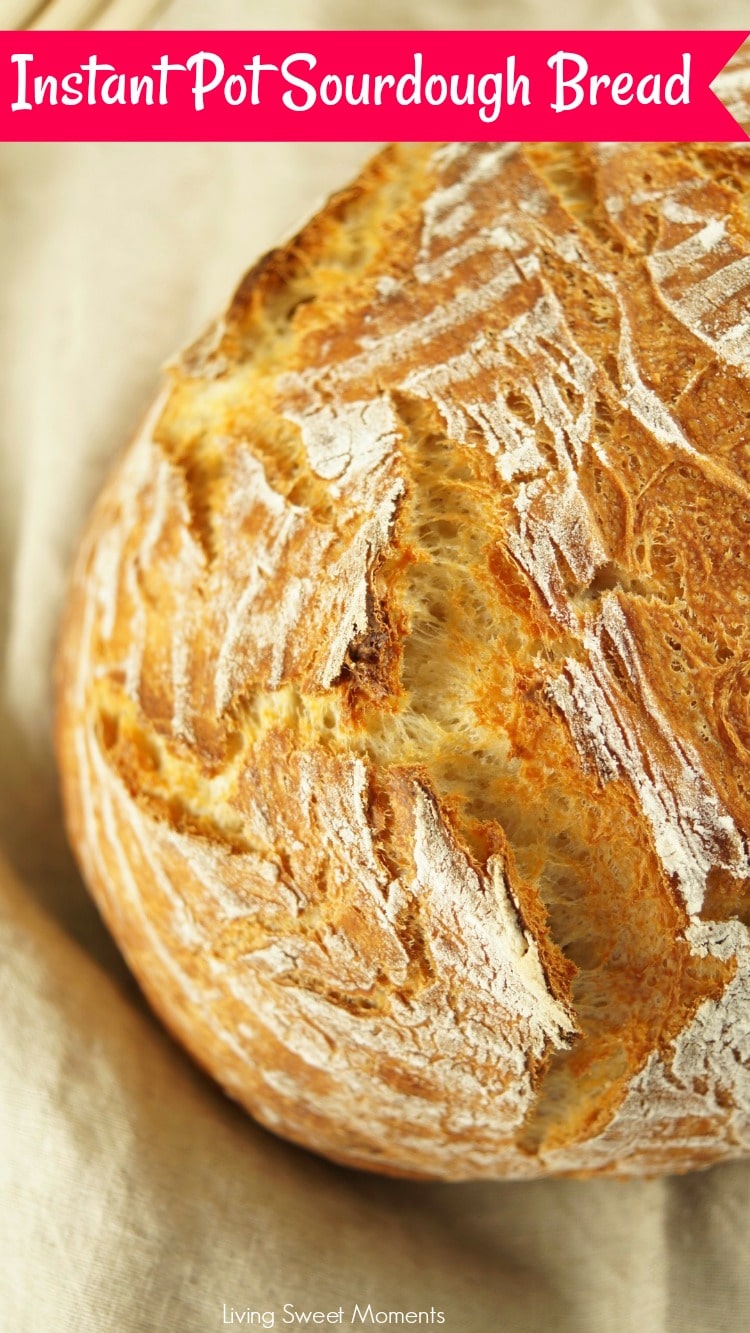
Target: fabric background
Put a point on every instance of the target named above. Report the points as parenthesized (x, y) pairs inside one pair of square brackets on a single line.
[(133, 1195)]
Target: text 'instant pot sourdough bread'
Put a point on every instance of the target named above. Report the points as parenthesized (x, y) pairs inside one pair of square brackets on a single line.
[(404, 693)]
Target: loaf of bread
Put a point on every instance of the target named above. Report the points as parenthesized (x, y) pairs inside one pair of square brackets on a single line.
[(404, 689)]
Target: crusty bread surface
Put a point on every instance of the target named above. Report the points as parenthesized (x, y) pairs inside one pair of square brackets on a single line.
[(404, 689)]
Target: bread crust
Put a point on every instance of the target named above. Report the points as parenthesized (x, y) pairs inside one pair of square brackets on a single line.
[(403, 690)]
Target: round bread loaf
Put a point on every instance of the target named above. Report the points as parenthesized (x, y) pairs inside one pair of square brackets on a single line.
[(404, 691)]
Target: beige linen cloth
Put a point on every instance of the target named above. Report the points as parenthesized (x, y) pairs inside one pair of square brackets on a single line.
[(133, 1195)]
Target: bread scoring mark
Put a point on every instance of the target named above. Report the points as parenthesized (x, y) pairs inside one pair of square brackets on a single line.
[(685, 813), (109, 828), (693, 1103), (556, 364), (105, 572), (242, 590), (465, 1068), (180, 566), (135, 477), (703, 278), (270, 630), (255, 617), (556, 534), (708, 294), (693, 832), (341, 814), (352, 607), (390, 349), (643, 402), (352, 443), (499, 237), (133, 664), (706, 304), (450, 209), (225, 876), (180, 654), (104, 804), (251, 619), (478, 929), (458, 1061), (154, 526), (510, 440), (439, 1048), (664, 264), (149, 493), (115, 810), (555, 522), (158, 499)]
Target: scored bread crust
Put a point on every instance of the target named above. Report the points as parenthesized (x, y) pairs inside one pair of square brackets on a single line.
[(404, 689)]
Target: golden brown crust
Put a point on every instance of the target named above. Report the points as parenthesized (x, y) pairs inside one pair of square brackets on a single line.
[(404, 720)]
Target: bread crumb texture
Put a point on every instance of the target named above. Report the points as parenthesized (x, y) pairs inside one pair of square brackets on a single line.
[(404, 691)]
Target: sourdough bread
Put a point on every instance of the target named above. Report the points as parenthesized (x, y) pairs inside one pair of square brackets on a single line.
[(404, 690)]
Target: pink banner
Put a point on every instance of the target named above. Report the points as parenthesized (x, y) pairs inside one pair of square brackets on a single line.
[(416, 86)]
